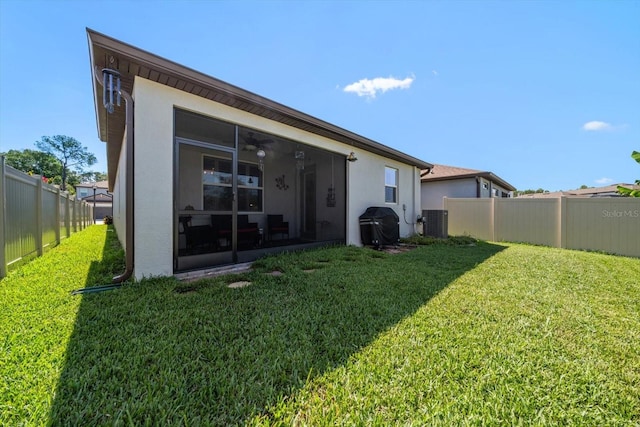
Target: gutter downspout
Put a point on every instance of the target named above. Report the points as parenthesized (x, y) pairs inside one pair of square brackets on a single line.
[(129, 216), (478, 193)]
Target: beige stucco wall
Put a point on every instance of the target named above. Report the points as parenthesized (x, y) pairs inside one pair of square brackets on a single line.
[(120, 197), (433, 192), (365, 188), (153, 180), (154, 105), (491, 188)]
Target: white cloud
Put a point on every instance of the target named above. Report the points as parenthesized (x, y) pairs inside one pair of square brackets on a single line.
[(371, 87), (596, 126), (434, 72), (603, 181)]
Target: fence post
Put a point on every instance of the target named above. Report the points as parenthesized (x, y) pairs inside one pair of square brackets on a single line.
[(39, 217), (496, 219), (67, 220), (562, 222), (3, 203), (82, 215), (72, 208), (493, 218), (76, 225), (57, 216)]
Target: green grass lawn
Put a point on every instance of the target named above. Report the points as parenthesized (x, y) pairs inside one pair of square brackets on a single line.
[(440, 335)]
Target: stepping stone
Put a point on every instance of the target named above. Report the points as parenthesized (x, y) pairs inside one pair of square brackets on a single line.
[(235, 285), (276, 273)]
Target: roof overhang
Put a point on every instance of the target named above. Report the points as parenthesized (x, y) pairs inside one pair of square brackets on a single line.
[(486, 175), (106, 52)]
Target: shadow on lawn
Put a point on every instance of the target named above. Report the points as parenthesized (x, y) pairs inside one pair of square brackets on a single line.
[(146, 354)]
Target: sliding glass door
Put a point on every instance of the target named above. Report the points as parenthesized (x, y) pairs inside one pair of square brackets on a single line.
[(205, 205)]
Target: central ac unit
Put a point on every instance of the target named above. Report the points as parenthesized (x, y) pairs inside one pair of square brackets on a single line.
[(436, 223)]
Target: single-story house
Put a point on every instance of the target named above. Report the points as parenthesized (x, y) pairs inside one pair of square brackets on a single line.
[(85, 189), (101, 198), (455, 182), (102, 206), (206, 174), (605, 191)]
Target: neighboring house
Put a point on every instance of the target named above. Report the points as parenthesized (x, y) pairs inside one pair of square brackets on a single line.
[(103, 199), (86, 189), (206, 174), (606, 191), (455, 182)]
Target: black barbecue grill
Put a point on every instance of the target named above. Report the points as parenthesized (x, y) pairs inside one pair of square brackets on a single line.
[(379, 226)]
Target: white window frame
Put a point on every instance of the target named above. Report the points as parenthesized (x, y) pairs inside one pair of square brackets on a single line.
[(240, 186), (393, 185)]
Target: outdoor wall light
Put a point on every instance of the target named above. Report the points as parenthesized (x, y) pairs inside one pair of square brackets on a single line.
[(352, 157), (110, 84)]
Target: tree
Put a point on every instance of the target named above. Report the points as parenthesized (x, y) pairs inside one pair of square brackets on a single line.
[(529, 191), (48, 166), (93, 176), (630, 191), (69, 152), (34, 162)]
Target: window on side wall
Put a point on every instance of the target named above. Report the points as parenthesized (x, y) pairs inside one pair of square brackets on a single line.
[(390, 185)]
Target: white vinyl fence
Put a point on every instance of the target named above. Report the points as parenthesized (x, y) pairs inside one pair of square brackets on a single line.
[(610, 224), (34, 216)]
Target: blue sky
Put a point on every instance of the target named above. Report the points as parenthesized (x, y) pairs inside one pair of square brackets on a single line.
[(545, 94)]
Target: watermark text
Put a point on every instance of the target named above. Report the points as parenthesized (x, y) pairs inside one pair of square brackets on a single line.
[(621, 214)]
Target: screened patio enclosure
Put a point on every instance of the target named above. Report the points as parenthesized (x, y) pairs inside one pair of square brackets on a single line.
[(240, 193)]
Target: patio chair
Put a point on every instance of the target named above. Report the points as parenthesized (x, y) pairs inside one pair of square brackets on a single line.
[(198, 237), (247, 231), (276, 225)]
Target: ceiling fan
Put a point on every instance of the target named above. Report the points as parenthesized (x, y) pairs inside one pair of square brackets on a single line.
[(251, 143)]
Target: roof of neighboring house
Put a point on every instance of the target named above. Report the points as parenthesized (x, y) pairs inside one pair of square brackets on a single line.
[(129, 61), (100, 197), (99, 184), (606, 191), (445, 173)]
